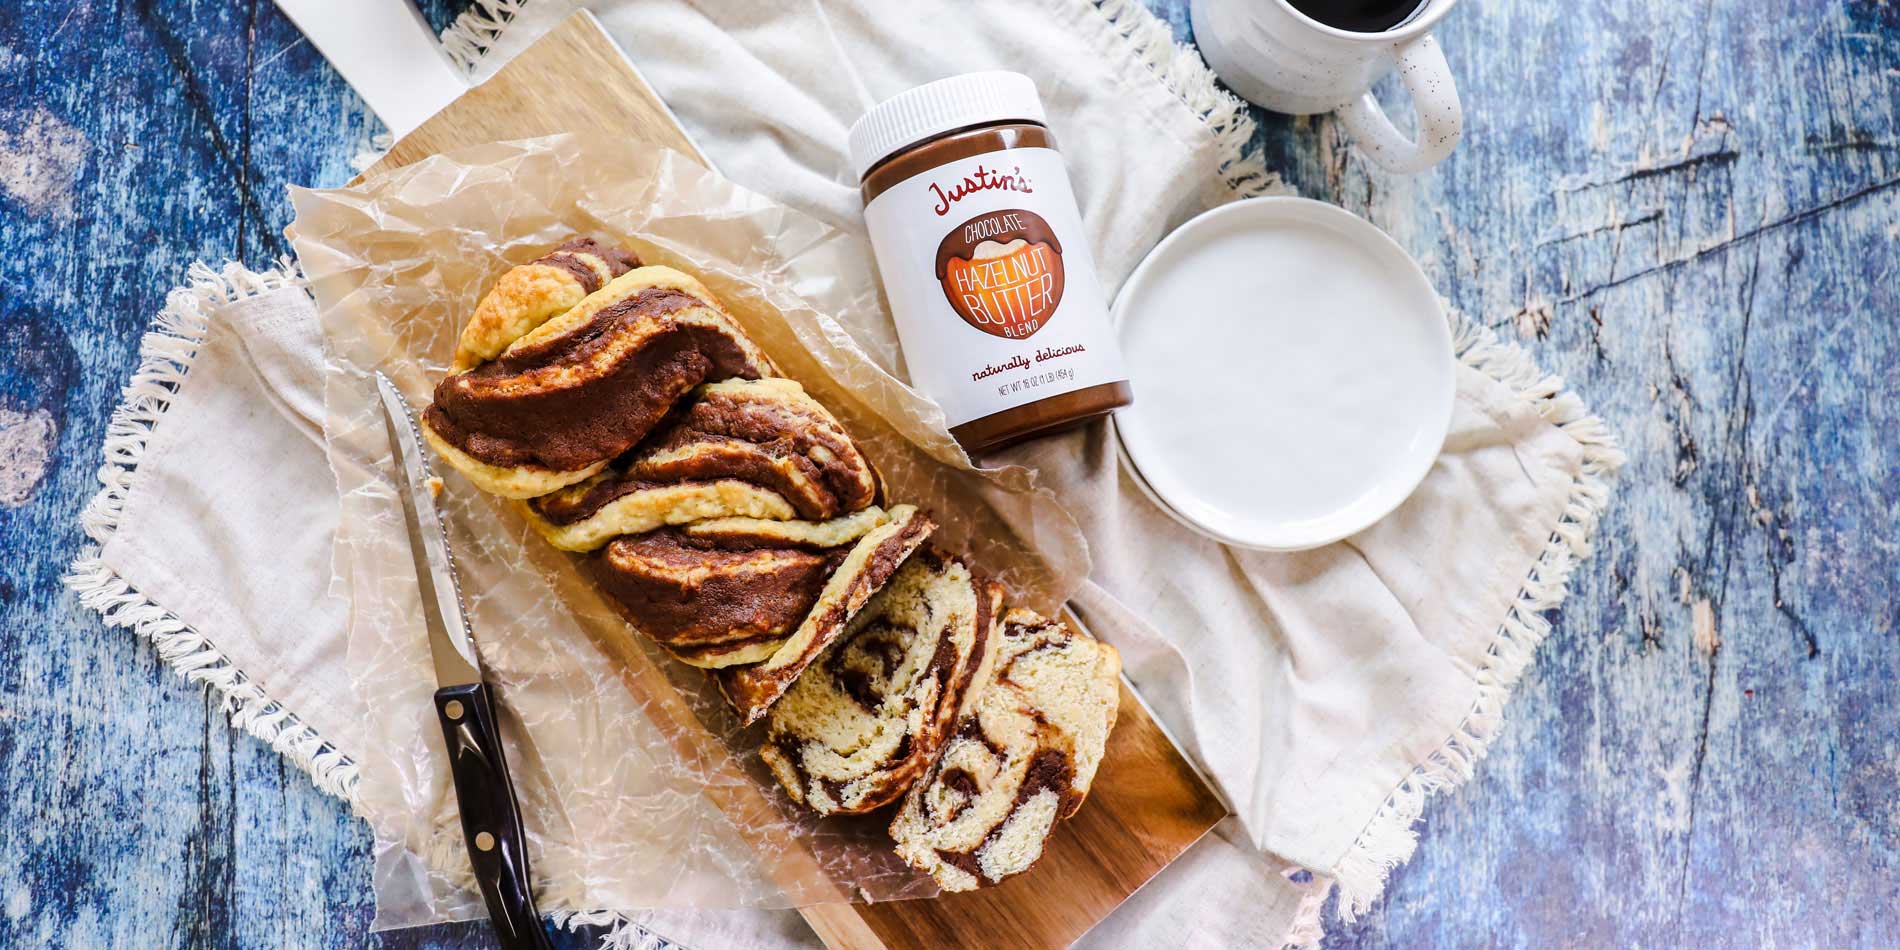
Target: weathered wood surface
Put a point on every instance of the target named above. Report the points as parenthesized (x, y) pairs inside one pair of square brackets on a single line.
[(1688, 209)]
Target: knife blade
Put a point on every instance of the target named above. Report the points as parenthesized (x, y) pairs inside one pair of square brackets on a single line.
[(449, 641), (464, 705)]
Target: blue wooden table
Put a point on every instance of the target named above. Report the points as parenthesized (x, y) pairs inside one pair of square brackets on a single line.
[(1689, 209)]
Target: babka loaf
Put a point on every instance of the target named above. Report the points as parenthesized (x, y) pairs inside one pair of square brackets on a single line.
[(720, 597), (732, 520), (870, 714), (862, 573), (758, 448), (1020, 760), (583, 387)]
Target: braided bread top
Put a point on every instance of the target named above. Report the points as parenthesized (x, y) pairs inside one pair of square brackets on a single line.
[(728, 514), (527, 296), (569, 395)]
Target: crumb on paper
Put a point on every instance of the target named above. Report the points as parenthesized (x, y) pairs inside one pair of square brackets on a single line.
[(435, 486)]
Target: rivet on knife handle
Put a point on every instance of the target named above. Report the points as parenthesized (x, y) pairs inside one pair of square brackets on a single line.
[(491, 818)]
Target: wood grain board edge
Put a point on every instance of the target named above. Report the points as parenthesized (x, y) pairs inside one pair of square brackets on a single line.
[(1145, 808), (842, 927)]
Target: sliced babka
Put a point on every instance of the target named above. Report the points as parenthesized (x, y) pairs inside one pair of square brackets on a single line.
[(1021, 759), (863, 572), (869, 715)]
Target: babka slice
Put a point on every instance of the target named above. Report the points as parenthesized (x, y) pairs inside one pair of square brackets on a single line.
[(864, 571), (531, 294), (1019, 761), (715, 601), (767, 432), (587, 385), (870, 714)]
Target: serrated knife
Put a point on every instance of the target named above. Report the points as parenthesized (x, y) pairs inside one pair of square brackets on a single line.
[(491, 817)]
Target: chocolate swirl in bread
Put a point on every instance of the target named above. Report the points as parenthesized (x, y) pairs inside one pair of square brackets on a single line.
[(587, 385), (533, 293), (744, 532), (709, 606), (767, 432), (1021, 759), (863, 572), (741, 448), (869, 716), (584, 516), (715, 594)]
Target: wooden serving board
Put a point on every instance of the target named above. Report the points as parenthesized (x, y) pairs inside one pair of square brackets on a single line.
[(1147, 804)]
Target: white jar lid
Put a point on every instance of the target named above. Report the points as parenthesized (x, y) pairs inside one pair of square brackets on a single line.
[(938, 107)]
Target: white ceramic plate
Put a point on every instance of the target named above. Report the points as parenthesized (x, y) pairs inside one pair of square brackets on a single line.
[(1292, 370)]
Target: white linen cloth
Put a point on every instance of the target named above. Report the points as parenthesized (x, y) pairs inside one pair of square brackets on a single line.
[(1325, 692)]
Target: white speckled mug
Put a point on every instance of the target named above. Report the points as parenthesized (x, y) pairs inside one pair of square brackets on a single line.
[(1286, 61)]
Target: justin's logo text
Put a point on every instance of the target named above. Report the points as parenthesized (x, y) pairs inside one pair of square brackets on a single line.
[(1002, 272), (980, 180)]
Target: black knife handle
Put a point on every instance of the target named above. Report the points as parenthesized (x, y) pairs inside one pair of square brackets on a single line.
[(491, 819)]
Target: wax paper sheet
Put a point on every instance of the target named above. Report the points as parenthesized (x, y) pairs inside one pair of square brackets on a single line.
[(639, 789)]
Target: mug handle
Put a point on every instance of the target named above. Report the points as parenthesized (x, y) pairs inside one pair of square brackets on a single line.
[(1441, 119)]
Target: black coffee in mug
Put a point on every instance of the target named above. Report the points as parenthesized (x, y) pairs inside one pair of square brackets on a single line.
[(1359, 16)]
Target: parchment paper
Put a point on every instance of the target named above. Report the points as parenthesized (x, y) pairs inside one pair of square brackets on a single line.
[(637, 785)]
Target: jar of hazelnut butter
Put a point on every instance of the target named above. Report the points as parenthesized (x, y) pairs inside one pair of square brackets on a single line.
[(984, 260)]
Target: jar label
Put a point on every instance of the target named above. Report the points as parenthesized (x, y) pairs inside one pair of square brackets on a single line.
[(1002, 272), (991, 283)]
